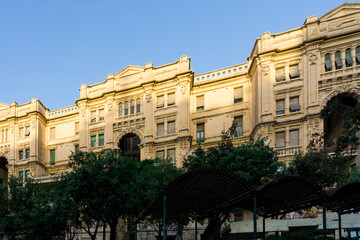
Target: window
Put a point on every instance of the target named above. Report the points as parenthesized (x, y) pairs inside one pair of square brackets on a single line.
[(338, 62), (294, 137), (171, 127), (21, 154), (200, 103), (93, 117), (126, 109), (120, 109), (21, 176), (138, 105), (294, 71), (27, 173), (27, 131), (280, 139), (348, 58), (132, 107), (328, 65), (27, 153), (171, 155), (52, 133), (239, 126), (21, 132), (238, 95), (171, 99), (358, 55), (52, 157), (160, 154), (280, 107), (294, 104), (160, 129), (160, 101), (200, 132), (77, 148), (101, 139), (101, 115), (280, 74), (77, 128), (93, 141)]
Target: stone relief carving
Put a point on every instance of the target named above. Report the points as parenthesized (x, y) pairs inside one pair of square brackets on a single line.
[(32, 124), (183, 88), (82, 112), (110, 104), (148, 95), (312, 57), (12, 128), (265, 68)]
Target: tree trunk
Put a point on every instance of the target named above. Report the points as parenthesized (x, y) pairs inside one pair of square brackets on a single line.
[(113, 225), (212, 231), (130, 228)]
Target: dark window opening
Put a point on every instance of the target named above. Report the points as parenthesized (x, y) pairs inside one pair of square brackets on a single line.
[(130, 144)]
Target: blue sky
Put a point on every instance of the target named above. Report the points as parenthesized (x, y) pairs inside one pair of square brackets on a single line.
[(48, 48)]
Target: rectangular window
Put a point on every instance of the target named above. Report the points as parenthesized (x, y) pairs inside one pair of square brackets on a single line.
[(348, 58), (101, 139), (138, 105), (120, 109), (328, 64), (77, 148), (21, 154), (93, 141), (171, 99), (93, 117), (200, 132), (294, 71), (200, 103), (171, 127), (52, 133), (27, 153), (294, 104), (52, 157), (280, 107), (160, 101), (160, 154), (280, 74), (101, 115), (171, 155), (126, 109), (239, 126), (132, 107), (294, 137), (280, 139), (160, 129), (238, 95), (77, 128), (21, 176), (27, 173), (338, 62)]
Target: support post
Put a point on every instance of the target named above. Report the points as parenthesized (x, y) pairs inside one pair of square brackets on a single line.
[(165, 214), (339, 220), (264, 226), (196, 233), (324, 219), (254, 216), (135, 231), (104, 234)]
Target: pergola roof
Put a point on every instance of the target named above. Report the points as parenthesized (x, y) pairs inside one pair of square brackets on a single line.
[(345, 199), (201, 193)]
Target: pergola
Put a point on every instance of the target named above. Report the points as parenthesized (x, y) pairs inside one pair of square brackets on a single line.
[(201, 193)]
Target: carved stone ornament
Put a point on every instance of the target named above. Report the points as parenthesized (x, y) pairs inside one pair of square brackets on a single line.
[(12, 128), (148, 95), (183, 88), (265, 68), (82, 112), (32, 124), (312, 57), (110, 104)]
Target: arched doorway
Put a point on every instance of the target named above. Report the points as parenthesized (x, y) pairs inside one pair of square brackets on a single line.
[(3, 170), (333, 123), (129, 143)]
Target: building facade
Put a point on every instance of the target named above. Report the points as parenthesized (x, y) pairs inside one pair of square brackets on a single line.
[(167, 111)]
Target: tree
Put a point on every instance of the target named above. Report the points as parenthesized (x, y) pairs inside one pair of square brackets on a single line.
[(254, 161)]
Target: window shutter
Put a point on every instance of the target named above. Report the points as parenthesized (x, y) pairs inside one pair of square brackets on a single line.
[(52, 133), (338, 61), (280, 74), (160, 101), (239, 127), (138, 105), (238, 93), (120, 109), (349, 60), (280, 139), (200, 101), (171, 99), (328, 65), (294, 104), (280, 105), (294, 137), (93, 116), (126, 112), (294, 71), (358, 55), (160, 129), (160, 154), (101, 114), (77, 130), (171, 127), (171, 155)]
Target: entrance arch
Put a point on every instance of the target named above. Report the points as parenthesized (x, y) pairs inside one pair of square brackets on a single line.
[(129, 143), (3, 170)]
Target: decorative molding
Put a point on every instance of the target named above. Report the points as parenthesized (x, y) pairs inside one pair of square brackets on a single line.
[(312, 57)]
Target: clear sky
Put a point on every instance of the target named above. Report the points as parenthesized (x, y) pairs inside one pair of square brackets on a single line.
[(48, 48)]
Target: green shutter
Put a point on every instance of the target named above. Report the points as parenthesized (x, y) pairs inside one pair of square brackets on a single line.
[(52, 157), (349, 60), (101, 137), (328, 64)]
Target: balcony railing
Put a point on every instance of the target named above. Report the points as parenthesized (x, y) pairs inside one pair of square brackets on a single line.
[(288, 151)]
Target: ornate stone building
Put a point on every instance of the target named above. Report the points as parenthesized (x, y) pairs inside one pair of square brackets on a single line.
[(165, 111)]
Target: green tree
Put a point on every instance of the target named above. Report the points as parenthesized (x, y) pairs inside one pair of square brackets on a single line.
[(254, 161)]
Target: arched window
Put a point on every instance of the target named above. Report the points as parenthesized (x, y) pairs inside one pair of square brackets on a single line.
[(132, 107), (328, 65), (120, 109), (358, 55), (348, 58), (138, 105), (338, 62), (126, 112)]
